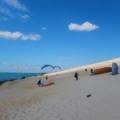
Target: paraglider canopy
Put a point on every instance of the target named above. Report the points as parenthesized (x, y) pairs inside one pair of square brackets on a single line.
[(114, 69), (57, 67), (53, 67), (46, 66)]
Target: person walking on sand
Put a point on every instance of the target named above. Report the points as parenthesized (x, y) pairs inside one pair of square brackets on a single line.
[(76, 75)]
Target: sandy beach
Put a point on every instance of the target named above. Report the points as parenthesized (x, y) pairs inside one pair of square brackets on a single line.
[(66, 99)]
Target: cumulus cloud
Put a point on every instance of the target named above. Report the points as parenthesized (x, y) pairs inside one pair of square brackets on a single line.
[(86, 26), (19, 35), (16, 4)]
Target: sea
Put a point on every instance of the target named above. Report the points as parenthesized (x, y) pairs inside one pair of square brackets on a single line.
[(5, 76)]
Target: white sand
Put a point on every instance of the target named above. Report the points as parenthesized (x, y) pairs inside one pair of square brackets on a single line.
[(65, 100)]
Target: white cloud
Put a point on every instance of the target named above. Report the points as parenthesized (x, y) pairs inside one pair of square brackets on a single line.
[(10, 35), (16, 4), (24, 16), (19, 35), (86, 26), (31, 37), (11, 13)]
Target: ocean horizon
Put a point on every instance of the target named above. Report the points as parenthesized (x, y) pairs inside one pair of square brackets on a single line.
[(5, 76)]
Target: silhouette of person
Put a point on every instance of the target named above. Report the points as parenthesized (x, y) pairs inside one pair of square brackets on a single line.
[(91, 70), (46, 77), (76, 75)]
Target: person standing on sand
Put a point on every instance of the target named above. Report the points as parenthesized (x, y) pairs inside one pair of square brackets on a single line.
[(91, 70), (46, 77), (76, 75)]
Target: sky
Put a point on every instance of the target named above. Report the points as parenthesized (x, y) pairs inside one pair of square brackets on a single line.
[(65, 33)]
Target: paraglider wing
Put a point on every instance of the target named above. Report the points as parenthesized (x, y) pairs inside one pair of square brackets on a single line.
[(46, 66), (57, 67), (114, 69)]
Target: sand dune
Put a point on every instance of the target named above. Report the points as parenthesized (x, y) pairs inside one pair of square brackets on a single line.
[(66, 99), (93, 66)]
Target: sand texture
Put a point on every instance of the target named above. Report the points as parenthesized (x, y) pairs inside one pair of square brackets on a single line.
[(65, 100)]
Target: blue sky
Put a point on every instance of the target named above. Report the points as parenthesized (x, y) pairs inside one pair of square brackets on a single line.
[(57, 32)]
